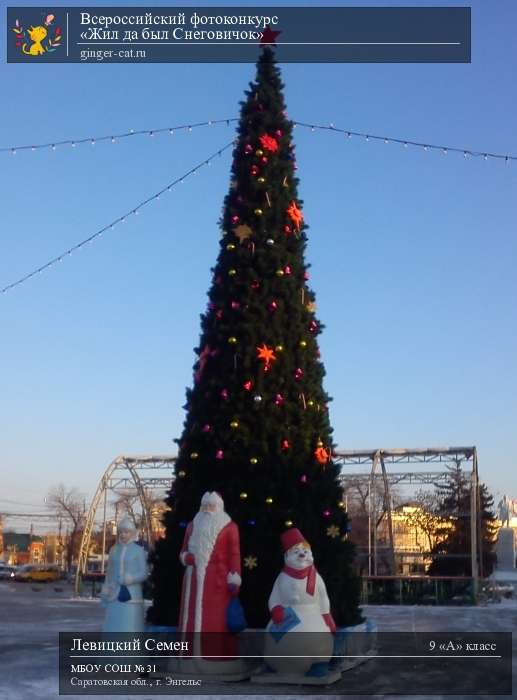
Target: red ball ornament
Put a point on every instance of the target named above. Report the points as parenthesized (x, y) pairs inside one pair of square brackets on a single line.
[(255, 170), (235, 305), (279, 400), (287, 230), (278, 133), (287, 270), (206, 428), (248, 386), (224, 394), (219, 454), (313, 326), (273, 306), (248, 148), (264, 160), (298, 373), (235, 219), (255, 284), (219, 314), (267, 368), (285, 445), (306, 276)]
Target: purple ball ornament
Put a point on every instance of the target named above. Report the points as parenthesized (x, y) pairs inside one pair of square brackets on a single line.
[(298, 373), (224, 394), (235, 219), (273, 306), (248, 148), (279, 400), (219, 454), (206, 428)]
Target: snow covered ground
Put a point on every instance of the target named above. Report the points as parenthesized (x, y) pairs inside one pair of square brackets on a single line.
[(32, 616)]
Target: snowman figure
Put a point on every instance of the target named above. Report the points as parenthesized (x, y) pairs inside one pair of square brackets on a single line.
[(299, 603)]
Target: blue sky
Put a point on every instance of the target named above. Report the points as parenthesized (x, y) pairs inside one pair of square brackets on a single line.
[(412, 255)]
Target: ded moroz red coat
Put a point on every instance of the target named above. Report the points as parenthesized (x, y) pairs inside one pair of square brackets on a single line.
[(205, 590)]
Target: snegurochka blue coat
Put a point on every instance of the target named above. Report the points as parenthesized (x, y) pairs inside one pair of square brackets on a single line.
[(127, 565)]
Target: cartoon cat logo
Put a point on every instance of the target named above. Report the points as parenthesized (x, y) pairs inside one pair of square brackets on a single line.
[(32, 42)]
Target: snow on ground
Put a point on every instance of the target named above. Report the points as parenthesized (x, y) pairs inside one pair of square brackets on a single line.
[(32, 616)]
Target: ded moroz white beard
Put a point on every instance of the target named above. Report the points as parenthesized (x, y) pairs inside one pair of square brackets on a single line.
[(206, 528)]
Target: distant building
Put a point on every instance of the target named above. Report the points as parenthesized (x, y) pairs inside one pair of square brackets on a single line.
[(23, 548)]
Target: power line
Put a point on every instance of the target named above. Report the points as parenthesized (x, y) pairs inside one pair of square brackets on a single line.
[(408, 142), (113, 138), (111, 225), (19, 503)]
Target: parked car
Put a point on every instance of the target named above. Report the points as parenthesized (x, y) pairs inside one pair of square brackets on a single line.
[(38, 572), (7, 572)]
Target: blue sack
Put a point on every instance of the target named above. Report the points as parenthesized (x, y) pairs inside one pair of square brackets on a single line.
[(235, 620), (123, 595)]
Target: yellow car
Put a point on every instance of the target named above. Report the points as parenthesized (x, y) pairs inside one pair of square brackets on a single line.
[(37, 572)]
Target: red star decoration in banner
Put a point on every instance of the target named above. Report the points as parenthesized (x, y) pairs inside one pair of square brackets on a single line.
[(268, 37)]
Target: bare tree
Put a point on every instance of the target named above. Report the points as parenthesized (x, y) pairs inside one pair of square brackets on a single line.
[(424, 516), (70, 506), (356, 494), (128, 502)]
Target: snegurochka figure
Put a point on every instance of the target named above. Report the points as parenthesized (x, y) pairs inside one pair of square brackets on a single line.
[(121, 593)]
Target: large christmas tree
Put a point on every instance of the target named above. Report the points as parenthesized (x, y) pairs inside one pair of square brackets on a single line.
[(257, 428)]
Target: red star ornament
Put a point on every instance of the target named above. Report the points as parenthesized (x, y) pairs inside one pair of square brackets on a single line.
[(266, 354), (268, 37), (269, 143), (295, 215)]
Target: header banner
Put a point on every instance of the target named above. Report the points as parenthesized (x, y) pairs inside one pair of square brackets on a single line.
[(235, 34)]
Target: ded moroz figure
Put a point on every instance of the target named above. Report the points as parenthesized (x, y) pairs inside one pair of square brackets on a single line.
[(211, 583), (121, 593)]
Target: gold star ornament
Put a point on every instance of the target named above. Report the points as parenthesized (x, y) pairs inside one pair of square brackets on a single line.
[(333, 531), (242, 232), (250, 562)]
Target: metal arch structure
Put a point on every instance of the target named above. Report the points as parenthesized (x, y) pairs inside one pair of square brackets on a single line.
[(110, 481), (377, 460)]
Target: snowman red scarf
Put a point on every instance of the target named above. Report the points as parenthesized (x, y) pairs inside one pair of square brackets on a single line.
[(309, 573)]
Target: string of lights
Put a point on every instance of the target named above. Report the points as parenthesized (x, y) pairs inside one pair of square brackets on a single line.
[(112, 224), (407, 142), (113, 138)]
